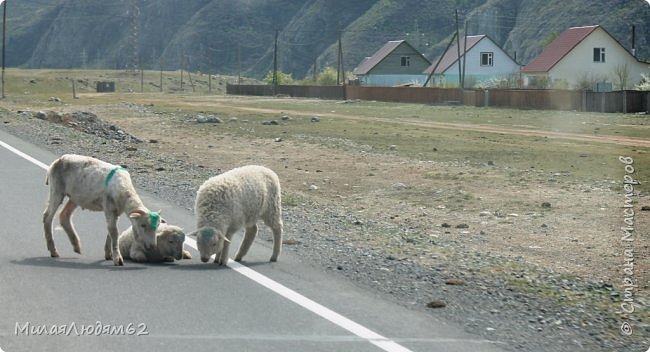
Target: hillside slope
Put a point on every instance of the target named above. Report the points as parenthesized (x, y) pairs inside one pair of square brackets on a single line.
[(238, 36)]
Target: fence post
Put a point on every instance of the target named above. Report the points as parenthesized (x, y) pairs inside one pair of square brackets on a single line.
[(625, 102), (583, 106), (74, 89), (486, 98)]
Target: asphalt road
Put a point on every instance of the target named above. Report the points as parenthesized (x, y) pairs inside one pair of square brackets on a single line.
[(61, 304)]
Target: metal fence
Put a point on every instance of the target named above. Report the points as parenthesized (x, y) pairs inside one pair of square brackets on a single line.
[(627, 101)]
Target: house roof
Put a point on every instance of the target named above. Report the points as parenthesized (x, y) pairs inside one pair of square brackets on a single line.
[(451, 56), (370, 62), (559, 48)]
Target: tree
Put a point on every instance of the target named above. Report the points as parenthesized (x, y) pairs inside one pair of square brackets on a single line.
[(645, 82), (327, 77), (283, 78), (622, 75)]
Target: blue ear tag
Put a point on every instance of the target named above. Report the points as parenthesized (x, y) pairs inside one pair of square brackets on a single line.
[(154, 220)]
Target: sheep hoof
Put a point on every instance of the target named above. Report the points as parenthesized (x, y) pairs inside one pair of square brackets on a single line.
[(108, 257), (77, 250), (118, 261), (274, 260), (54, 254)]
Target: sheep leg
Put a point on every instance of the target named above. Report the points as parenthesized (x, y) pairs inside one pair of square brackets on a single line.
[(277, 240), (111, 221), (137, 255), (65, 218), (222, 258), (54, 202), (246, 243), (108, 255)]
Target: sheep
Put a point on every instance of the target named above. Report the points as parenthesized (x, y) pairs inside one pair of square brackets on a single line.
[(232, 200), (169, 245), (96, 185)]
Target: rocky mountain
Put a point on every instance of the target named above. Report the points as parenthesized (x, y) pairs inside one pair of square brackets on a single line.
[(230, 36)]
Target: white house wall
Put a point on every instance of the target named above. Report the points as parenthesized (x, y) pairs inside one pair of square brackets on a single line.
[(392, 80), (579, 64), (503, 65)]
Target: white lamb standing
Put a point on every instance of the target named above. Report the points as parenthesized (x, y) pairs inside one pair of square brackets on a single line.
[(96, 185), (232, 200), (169, 245)]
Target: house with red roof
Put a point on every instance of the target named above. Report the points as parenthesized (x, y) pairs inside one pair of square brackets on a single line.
[(395, 63), (581, 57), (486, 64)]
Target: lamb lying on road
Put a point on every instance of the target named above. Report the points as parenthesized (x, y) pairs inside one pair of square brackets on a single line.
[(169, 245), (96, 185), (235, 199)]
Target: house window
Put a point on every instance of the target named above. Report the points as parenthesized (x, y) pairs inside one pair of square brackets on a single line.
[(487, 59), (406, 61), (599, 54)]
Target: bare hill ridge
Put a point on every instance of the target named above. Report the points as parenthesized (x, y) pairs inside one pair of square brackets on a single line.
[(229, 36)]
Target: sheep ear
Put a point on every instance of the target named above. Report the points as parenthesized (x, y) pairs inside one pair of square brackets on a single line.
[(137, 213)]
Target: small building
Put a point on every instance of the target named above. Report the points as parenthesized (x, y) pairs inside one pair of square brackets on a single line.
[(581, 58), (396, 63), (486, 65)]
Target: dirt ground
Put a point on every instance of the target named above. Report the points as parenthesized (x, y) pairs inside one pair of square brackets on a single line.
[(553, 220), (544, 239)]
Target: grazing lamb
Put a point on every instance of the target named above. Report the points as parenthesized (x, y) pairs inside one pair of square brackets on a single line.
[(169, 245), (96, 185), (235, 199)]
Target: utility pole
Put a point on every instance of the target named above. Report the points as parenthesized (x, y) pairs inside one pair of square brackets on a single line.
[(275, 64), (464, 53), (238, 63), (433, 70), (458, 50), (135, 12), (141, 80), (161, 74), (4, 30), (340, 72)]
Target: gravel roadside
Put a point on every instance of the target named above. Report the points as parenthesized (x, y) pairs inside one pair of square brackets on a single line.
[(530, 309)]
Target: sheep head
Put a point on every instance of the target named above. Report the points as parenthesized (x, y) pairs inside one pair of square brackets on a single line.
[(209, 241), (144, 225), (170, 242)]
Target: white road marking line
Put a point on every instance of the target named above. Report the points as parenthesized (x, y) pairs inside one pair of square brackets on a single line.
[(24, 156), (320, 310)]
